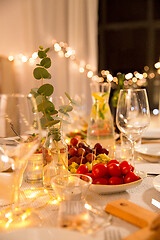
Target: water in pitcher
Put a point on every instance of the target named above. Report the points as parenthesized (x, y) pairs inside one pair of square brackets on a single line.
[(100, 126)]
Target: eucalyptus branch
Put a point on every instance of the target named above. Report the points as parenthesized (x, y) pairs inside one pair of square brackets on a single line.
[(50, 116)]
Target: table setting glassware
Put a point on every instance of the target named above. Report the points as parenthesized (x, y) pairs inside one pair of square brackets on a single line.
[(20, 136), (100, 125), (133, 115), (74, 211)]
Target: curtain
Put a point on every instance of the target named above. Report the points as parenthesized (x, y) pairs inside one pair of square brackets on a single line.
[(26, 24)]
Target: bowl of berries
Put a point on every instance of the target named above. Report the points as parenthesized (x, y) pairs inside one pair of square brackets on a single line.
[(108, 175)]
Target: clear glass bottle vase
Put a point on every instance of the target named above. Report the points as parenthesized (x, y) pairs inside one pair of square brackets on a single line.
[(55, 156), (100, 125)]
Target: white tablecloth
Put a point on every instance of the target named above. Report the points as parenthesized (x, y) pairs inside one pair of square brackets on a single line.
[(141, 195)]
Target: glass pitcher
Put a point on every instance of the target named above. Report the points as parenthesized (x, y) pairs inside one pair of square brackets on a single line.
[(100, 126)]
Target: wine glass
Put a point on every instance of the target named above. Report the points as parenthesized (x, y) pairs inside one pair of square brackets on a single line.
[(133, 114), (20, 136)]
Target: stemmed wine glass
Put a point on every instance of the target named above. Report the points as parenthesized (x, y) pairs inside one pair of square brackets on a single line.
[(20, 135), (133, 114)]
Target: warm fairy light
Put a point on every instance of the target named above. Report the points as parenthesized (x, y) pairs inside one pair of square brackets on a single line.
[(8, 215), (95, 78), (26, 214), (140, 76), (151, 75), (115, 79), (157, 65), (146, 68), (90, 74), (34, 55), (134, 79), (128, 76), (24, 59), (57, 48), (145, 75), (67, 140), (64, 50), (158, 71), (9, 222), (10, 58), (81, 69), (31, 61), (109, 77), (61, 53), (87, 206)]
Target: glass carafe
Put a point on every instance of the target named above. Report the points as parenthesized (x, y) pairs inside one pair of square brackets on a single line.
[(55, 156), (100, 125)]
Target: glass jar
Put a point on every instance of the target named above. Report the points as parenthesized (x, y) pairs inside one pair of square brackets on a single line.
[(100, 125), (55, 156)]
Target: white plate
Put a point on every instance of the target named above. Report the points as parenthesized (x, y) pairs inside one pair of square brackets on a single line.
[(107, 189), (156, 183), (44, 233), (152, 133), (150, 152)]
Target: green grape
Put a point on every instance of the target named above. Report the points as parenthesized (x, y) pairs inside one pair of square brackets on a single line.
[(89, 165)]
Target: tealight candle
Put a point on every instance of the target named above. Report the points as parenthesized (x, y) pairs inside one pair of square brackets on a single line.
[(34, 170)]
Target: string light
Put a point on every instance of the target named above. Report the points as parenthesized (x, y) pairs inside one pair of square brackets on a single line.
[(63, 50)]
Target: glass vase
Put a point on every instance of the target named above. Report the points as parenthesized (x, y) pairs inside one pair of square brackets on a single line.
[(100, 125), (55, 156)]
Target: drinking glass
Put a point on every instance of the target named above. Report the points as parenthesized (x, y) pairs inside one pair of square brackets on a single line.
[(71, 190), (20, 135), (133, 114)]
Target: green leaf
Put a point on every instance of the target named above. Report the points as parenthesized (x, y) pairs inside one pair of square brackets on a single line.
[(46, 89), (42, 54), (53, 122), (46, 62), (64, 112), (51, 111), (40, 47), (74, 102), (40, 72), (57, 118), (46, 50), (67, 95), (45, 119), (66, 108), (40, 99), (42, 107)]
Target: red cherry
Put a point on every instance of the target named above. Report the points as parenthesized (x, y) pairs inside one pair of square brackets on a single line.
[(74, 141), (98, 147), (73, 151), (104, 150)]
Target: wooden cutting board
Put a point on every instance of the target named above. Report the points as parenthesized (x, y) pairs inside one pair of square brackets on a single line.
[(136, 215)]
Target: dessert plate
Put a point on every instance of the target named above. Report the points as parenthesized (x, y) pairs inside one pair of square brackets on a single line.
[(156, 183), (150, 152), (152, 133)]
